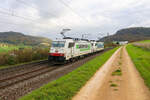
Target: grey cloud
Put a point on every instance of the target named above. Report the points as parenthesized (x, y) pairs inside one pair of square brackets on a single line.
[(129, 15), (49, 8)]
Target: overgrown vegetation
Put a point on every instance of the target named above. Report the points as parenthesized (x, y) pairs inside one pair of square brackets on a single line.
[(22, 55), (141, 59), (115, 89), (113, 85), (67, 86), (117, 72), (110, 44), (145, 45)]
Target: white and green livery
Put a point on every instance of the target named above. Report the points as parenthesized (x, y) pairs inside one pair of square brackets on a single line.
[(69, 49)]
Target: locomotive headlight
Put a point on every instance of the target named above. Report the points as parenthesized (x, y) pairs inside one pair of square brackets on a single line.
[(51, 50)]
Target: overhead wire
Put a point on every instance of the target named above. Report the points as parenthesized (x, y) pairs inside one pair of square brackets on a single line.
[(24, 18), (10, 12), (42, 11), (13, 14), (3, 22), (27, 4), (71, 9)]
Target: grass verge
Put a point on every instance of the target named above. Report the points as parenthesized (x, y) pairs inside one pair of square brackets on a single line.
[(113, 85), (144, 41), (117, 72), (9, 66), (67, 86), (141, 59)]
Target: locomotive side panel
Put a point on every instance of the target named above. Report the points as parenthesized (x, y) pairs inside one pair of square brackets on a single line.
[(82, 48)]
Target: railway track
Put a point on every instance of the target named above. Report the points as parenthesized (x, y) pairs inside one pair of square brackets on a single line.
[(20, 68), (8, 81)]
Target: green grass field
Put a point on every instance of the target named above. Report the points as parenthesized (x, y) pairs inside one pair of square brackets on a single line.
[(141, 59), (67, 86), (144, 41), (6, 49), (9, 48)]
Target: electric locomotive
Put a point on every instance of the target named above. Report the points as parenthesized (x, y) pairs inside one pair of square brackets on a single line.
[(68, 49)]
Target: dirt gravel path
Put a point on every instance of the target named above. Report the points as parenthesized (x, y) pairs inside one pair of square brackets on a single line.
[(117, 79)]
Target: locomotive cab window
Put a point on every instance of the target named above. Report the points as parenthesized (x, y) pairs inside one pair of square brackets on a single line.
[(71, 44), (58, 44)]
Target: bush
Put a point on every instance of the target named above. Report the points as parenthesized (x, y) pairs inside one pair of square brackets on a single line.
[(2, 59), (23, 55), (40, 53), (11, 60), (110, 44)]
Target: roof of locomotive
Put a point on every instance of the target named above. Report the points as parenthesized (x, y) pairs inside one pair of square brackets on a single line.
[(76, 40)]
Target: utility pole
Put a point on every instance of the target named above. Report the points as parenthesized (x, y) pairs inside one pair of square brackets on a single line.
[(108, 37)]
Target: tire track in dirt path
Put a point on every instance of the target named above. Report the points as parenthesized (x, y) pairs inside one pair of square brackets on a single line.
[(117, 79)]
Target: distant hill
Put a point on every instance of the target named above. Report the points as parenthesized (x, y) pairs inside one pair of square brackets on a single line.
[(19, 38), (130, 34)]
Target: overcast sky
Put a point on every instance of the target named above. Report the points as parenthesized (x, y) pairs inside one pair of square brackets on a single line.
[(93, 17)]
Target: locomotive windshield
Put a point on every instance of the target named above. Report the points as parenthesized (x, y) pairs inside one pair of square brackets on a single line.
[(58, 44)]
